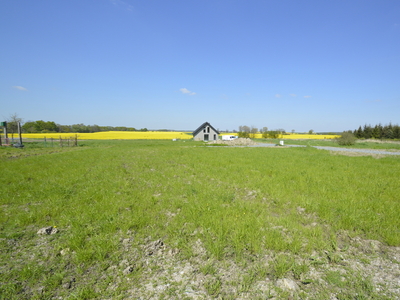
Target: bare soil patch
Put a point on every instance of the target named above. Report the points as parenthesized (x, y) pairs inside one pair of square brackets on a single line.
[(235, 142)]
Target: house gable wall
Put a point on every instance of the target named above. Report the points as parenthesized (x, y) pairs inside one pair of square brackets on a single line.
[(205, 133)]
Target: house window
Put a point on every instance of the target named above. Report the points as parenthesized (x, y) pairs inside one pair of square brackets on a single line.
[(215, 137), (206, 137), (208, 129), (204, 130)]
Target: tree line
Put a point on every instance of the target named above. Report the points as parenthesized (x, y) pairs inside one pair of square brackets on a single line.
[(50, 126), (41, 126), (389, 131), (250, 132)]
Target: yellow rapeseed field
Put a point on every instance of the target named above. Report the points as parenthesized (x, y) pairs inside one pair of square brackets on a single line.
[(296, 136), (114, 135), (310, 136), (152, 135), (304, 136)]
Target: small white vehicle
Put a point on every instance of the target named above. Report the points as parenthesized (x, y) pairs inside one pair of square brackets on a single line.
[(229, 137)]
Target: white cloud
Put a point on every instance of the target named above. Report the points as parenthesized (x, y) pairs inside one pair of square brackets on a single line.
[(186, 91), (21, 88), (278, 95), (122, 3), (293, 95), (307, 96)]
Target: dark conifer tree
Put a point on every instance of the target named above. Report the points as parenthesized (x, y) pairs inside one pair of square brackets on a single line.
[(359, 133), (367, 131)]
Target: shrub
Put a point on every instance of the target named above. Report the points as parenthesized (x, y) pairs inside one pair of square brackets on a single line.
[(346, 139), (243, 134)]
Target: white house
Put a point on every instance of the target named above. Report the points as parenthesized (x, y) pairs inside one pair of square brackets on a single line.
[(205, 133)]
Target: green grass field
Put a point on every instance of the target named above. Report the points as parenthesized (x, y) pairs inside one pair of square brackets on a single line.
[(133, 216), (360, 144)]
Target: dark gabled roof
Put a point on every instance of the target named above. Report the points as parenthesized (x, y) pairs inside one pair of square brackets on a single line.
[(201, 128)]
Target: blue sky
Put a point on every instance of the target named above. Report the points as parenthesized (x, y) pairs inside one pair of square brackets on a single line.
[(311, 64)]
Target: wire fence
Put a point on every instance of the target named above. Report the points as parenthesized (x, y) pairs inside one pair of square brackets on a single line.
[(44, 142)]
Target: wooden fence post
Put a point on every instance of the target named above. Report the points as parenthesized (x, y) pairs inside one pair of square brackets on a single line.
[(20, 133)]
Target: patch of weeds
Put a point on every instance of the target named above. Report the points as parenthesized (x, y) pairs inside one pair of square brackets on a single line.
[(171, 291), (359, 293), (84, 293), (258, 272), (137, 273), (12, 235), (333, 258), (213, 286), (32, 271), (228, 296), (208, 269), (317, 261), (12, 290), (299, 270), (282, 265), (246, 283), (53, 281), (353, 286), (335, 278), (283, 294), (364, 287), (220, 145), (216, 248), (365, 260)]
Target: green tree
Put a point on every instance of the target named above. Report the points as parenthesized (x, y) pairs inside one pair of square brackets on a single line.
[(359, 133), (253, 132), (29, 127), (244, 131), (64, 128), (367, 131), (346, 139), (12, 124), (387, 131), (264, 132), (281, 130), (377, 131), (94, 128), (274, 134), (80, 128), (51, 126), (396, 132)]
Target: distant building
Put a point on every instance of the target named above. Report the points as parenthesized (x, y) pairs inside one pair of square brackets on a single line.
[(205, 133)]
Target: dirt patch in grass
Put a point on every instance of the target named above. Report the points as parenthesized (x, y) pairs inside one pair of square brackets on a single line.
[(150, 268), (352, 153), (235, 142), (379, 141)]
